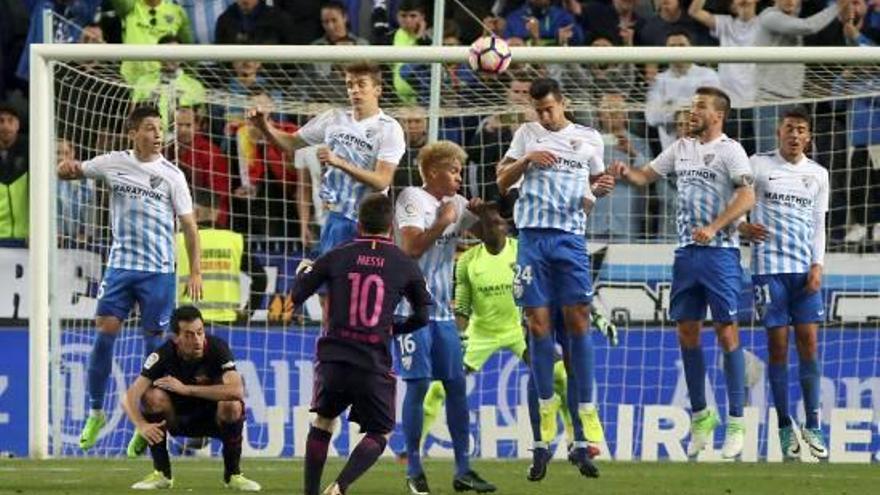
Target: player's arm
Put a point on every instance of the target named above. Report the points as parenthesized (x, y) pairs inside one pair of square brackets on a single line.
[(419, 299), (131, 404), (510, 170), (814, 278), (309, 279), (231, 387), (639, 177), (378, 179), (701, 15), (463, 292), (191, 238), (285, 141), (743, 201), (414, 241)]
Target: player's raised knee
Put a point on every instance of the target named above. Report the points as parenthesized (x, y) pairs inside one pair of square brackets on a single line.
[(229, 411), (108, 324), (156, 400)]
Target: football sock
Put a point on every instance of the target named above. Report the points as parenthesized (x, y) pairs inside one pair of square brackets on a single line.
[(100, 364), (695, 376), (735, 375)]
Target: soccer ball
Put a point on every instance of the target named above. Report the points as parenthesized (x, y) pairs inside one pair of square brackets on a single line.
[(489, 54)]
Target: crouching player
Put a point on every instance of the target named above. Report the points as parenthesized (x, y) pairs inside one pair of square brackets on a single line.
[(366, 279), (188, 387)]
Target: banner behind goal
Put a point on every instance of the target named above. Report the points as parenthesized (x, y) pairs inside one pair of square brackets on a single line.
[(80, 104)]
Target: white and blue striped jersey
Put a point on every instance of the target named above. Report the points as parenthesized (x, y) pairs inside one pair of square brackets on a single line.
[(705, 174), (144, 199), (789, 197), (552, 197), (417, 208), (361, 143)]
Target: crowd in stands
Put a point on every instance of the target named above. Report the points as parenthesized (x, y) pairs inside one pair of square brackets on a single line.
[(636, 107)]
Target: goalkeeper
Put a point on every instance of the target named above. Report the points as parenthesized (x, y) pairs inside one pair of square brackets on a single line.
[(486, 313)]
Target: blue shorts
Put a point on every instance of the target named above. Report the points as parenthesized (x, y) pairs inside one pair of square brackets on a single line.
[(433, 351), (154, 293), (781, 299), (337, 230), (552, 267), (701, 275)]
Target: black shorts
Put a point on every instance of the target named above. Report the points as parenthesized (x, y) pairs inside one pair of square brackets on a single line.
[(195, 418), (370, 395)]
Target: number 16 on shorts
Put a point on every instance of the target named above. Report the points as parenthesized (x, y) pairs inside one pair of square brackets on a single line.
[(406, 344)]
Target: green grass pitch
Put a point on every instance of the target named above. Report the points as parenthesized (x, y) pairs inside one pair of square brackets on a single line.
[(114, 476)]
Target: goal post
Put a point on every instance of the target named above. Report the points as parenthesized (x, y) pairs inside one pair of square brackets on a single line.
[(45, 322)]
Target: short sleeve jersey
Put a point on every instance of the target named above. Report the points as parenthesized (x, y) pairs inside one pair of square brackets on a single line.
[(552, 197), (705, 174), (417, 208), (359, 142), (788, 198), (216, 360), (145, 197)]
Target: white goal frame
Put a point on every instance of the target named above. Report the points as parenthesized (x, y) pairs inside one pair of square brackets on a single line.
[(43, 323)]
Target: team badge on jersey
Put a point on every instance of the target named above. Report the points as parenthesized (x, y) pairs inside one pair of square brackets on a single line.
[(152, 359), (807, 181), (155, 181), (707, 159), (576, 144)]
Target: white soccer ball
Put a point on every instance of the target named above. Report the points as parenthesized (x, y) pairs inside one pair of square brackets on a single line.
[(489, 54)]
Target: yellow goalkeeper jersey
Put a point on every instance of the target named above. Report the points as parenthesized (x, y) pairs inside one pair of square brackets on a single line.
[(484, 290)]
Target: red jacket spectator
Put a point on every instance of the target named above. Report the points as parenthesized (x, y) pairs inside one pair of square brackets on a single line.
[(202, 162)]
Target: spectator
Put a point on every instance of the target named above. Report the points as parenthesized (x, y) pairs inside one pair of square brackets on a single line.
[(252, 22), (619, 217), (494, 135), (334, 21), (780, 26), (459, 84), (248, 77), (13, 39), (14, 166), (856, 26), (541, 24), (670, 18), (264, 200), (169, 88), (414, 121), (674, 88), (145, 22), (201, 161), (737, 80), (203, 16), (590, 81), (76, 207), (413, 27), (305, 17), (73, 14), (619, 19)]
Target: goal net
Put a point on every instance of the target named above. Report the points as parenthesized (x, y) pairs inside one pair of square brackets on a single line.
[(251, 189)]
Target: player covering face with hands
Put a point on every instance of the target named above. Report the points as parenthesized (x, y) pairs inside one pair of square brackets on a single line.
[(715, 188)]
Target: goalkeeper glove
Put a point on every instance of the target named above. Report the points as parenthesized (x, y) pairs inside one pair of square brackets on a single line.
[(605, 326)]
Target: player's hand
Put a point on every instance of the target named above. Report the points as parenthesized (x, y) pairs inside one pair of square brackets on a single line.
[(474, 205), (153, 432), (327, 157), (68, 169), (258, 117), (171, 384), (541, 158), (194, 287), (618, 169), (447, 214), (704, 235), (814, 279), (754, 232), (603, 186)]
